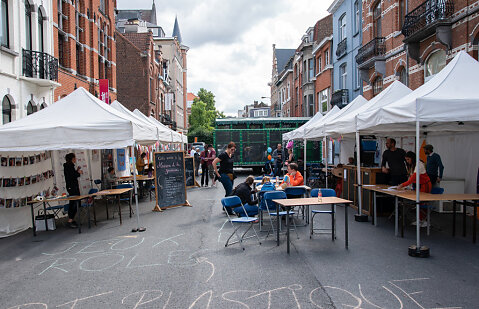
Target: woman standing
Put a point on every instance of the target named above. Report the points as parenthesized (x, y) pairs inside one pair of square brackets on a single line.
[(225, 173), (71, 179)]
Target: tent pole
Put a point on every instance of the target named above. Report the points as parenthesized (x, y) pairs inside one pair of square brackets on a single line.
[(138, 229), (304, 154), (417, 250), (359, 217), (89, 167), (326, 158)]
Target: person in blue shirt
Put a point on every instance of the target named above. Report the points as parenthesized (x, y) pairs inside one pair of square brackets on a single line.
[(434, 167)]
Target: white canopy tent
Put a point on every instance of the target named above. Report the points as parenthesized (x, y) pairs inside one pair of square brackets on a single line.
[(173, 136), (78, 121), (298, 133), (448, 103), (177, 137)]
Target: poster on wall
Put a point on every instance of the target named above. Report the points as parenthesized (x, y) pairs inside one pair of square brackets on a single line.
[(120, 159)]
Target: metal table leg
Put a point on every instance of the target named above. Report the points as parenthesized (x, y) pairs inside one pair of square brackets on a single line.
[(119, 209)]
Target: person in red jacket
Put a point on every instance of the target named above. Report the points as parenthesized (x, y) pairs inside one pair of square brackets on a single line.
[(425, 184)]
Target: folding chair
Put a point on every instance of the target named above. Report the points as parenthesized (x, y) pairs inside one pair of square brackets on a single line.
[(314, 212), (271, 208), (57, 209), (231, 202), (126, 199), (89, 205)]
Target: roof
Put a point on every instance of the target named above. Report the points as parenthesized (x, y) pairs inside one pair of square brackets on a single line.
[(190, 96), (323, 28), (334, 6), (282, 57), (146, 15), (176, 31)]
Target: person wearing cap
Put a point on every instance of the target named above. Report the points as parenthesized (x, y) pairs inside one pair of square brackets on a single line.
[(434, 167)]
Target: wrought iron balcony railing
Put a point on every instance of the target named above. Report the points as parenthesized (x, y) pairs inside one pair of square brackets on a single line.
[(39, 65), (342, 48), (340, 98), (426, 14), (374, 48)]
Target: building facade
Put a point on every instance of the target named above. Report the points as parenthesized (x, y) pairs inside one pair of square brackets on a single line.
[(84, 43), (413, 40), (323, 39), (29, 70), (285, 89), (139, 69), (282, 62), (347, 38), (304, 61)]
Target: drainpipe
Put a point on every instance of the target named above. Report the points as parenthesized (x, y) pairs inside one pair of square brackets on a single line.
[(407, 51)]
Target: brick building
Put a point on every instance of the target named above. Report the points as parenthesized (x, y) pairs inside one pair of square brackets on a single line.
[(304, 62), (84, 43), (281, 82), (323, 39), (413, 40), (139, 70)]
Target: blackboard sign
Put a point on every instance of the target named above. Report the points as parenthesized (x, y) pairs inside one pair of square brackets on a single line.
[(170, 181), (190, 172)]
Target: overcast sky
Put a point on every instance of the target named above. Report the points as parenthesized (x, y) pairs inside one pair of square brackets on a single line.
[(231, 41)]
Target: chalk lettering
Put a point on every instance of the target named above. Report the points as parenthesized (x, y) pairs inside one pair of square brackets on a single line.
[(89, 263), (141, 295), (58, 262)]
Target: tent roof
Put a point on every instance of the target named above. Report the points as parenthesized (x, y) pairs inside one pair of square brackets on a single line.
[(347, 122), (143, 132), (318, 131), (298, 133), (176, 136), (166, 134), (314, 131), (448, 102), (78, 121)]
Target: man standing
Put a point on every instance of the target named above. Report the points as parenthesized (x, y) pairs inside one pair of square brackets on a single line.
[(394, 163), (433, 165), (278, 160), (211, 156)]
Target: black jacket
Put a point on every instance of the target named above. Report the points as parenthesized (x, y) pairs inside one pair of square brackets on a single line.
[(243, 191), (71, 176)]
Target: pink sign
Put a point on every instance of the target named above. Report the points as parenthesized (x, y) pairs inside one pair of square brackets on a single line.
[(104, 95)]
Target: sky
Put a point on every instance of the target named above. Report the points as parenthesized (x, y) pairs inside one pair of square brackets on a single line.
[(230, 41)]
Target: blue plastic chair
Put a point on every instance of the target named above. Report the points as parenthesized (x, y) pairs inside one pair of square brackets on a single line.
[(129, 197), (57, 209), (89, 205), (325, 193), (296, 192), (271, 208), (229, 203)]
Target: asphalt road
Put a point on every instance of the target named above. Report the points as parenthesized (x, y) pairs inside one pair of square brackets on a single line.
[(181, 262)]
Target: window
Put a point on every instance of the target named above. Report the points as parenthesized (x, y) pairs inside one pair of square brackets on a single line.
[(377, 20), (343, 75), (5, 27), (79, 57), (61, 50), (324, 100), (434, 64), (31, 108), (6, 110), (28, 26), (377, 85), (402, 74), (78, 29), (342, 27), (326, 57), (319, 63), (358, 77), (402, 13), (60, 14), (357, 17), (102, 6), (311, 69), (40, 30)]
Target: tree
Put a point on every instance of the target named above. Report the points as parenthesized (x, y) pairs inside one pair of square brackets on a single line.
[(203, 115)]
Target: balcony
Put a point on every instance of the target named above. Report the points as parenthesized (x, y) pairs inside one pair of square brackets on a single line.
[(372, 55), (431, 17), (342, 48), (40, 66), (340, 98)]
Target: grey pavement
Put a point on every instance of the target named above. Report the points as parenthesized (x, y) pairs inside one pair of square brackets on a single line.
[(181, 262)]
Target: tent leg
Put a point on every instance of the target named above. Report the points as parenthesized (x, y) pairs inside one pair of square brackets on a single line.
[(359, 217), (138, 228), (417, 250)]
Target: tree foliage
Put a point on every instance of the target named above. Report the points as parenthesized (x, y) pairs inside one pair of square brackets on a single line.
[(203, 115)]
